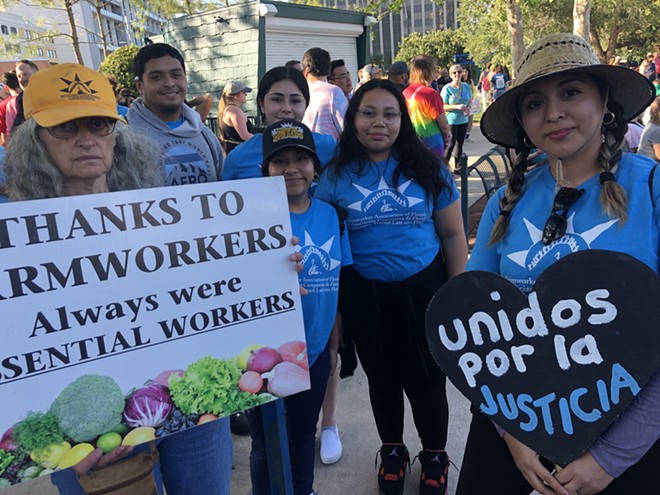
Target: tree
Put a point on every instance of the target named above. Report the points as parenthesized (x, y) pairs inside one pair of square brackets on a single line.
[(120, 65), (581, 16), (630, 24), (440, 45), (514, 23)]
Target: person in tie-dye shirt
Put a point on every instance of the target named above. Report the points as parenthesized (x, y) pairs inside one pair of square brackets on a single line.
[(425, 105)]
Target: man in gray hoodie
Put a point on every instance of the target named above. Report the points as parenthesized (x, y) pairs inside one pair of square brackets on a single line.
[(192, 153), (196, 461)]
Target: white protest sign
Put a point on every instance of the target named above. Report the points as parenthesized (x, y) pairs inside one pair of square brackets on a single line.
[(132, 284)]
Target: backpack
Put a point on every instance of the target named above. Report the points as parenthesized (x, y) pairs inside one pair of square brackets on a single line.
[(499, 82), (485, 84)]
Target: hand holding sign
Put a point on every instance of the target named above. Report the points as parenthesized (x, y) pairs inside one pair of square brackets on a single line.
[(555, 369)]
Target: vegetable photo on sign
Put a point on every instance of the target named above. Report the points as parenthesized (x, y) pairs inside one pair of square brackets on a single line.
[(94, 412)]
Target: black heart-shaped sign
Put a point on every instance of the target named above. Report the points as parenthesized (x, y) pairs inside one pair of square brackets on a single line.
[(556, 368)]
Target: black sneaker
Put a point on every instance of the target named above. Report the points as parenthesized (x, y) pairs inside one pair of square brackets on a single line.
[(435, 467), (394, 461)]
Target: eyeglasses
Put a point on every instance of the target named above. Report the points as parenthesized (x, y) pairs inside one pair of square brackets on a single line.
[(370, 116), (555, 226), (457, 72), (341, 77), (98, 126)]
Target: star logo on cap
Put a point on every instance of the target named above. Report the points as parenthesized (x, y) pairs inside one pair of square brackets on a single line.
[(78, 87)]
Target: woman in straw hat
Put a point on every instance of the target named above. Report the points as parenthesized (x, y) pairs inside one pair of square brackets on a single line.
[(567, 104)]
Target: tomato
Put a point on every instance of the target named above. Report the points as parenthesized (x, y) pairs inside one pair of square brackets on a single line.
[(251, 382)]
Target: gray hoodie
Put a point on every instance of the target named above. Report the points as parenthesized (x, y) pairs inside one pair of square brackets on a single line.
[(192, 153)]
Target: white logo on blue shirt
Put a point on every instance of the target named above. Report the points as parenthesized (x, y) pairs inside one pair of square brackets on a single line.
[(385, 198), (571, 242), (316, 259)]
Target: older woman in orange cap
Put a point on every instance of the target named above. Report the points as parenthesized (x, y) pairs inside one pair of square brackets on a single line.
[(72, 144)]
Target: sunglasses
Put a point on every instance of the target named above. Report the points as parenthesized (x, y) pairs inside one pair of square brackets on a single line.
[(555, 226)]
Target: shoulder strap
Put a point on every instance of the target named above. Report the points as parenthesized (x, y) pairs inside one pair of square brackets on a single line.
[(651, 175), (214, 152)]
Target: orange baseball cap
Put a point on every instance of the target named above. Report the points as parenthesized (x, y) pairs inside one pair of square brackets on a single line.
[(66, 92)]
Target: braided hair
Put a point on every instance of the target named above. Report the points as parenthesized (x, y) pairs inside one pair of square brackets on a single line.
[(613, 197)]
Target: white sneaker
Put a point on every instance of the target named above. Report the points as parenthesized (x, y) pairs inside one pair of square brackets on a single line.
[(330, 445)]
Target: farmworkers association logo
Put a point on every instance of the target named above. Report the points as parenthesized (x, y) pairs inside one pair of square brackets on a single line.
[(76, 90)]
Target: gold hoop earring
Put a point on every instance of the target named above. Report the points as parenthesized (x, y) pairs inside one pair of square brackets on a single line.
[(608, 118), (527, 142)]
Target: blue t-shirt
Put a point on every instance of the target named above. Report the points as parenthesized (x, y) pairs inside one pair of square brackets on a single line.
[(324, 253), (391, 228), (244, 162), (521, 257), (456, 96), (122, 110)]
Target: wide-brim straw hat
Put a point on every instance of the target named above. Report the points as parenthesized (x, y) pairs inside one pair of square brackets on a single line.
[(559, 53)]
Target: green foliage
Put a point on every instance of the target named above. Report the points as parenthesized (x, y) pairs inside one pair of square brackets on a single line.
[(440, 45), (89, 407), (38, 431), (210, 385), (120, 65), (633, 24)]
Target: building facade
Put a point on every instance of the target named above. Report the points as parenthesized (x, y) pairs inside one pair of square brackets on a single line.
[(23, 38), (35, 31), (416, 16)]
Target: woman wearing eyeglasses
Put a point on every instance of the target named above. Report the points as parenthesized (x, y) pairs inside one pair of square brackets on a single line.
[(589, 195), (456, 95), (71, 145), (406, 235)]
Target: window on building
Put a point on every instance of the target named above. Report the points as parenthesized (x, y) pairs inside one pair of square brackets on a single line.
[(4, 29), (28, 35), (40, 52), (13, 30)]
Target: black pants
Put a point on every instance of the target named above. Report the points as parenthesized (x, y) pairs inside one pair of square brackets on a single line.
[(455, 145), (489, 468), (386, 322)]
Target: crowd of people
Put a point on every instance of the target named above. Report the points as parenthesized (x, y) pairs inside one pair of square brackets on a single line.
[(371, 167)]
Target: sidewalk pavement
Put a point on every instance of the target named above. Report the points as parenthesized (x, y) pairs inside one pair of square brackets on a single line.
[(355, 473)]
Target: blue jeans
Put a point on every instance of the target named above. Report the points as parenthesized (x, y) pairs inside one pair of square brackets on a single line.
[(302, 414), (193, 462)]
